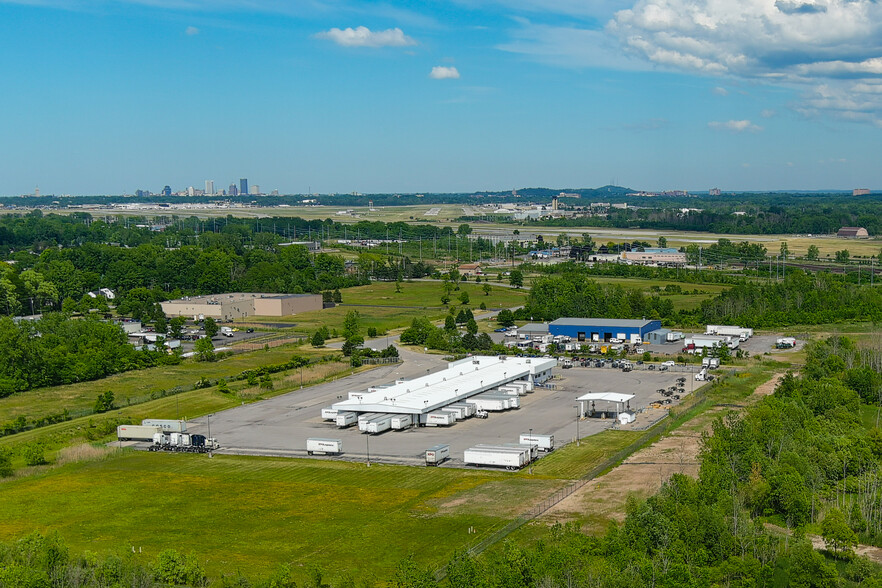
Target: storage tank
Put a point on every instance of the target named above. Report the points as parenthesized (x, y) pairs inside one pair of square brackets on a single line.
[(324, 446)]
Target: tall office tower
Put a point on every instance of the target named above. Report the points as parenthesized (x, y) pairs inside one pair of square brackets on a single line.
[(233, 190), (243, 185), (191, 191), (166, 191), (209, 187), (255, 190)]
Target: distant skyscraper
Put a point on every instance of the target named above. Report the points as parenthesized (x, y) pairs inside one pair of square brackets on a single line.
[(209, 187), (233, 190), (255, 190), (243, 185), (191, 191), (166, 191)]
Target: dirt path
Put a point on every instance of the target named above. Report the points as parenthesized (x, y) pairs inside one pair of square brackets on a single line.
[(643, 473), (868, 551)]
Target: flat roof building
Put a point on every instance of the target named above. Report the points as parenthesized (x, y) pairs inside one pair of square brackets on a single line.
[(599, 329), (241, 304), (461, 380)]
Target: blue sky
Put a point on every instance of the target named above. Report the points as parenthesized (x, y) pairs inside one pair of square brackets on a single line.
[(106, 96)]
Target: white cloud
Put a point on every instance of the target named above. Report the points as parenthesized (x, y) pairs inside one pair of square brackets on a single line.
[(364, 37), (440, 72), (192, 31), (720, 91), (768, 113), (830, 49), (736, 126)]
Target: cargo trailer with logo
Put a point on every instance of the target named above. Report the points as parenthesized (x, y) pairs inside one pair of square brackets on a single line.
[(510, 459), (167, 425), (324, 446), (437, 454), (458, 411), (489, 404), (136, 432), (543, 442), (531, 452), (440, 419), (401, 422), (330, 414), (469, 408), (379, 425), (346, 419)]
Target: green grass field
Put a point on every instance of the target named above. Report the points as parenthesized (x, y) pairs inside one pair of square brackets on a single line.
[(250, 514), (381, 307), (136, 386)]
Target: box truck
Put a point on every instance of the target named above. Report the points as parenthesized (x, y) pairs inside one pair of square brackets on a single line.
[(346, 419), (167, 425), (543, 442), (324, 446), (136, 432), (437, 454), (440, 419), (401, 422)]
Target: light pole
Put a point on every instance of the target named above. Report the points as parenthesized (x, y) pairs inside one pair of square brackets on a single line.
[(578, 418), (368, 440), (209, 436), (531, 450)]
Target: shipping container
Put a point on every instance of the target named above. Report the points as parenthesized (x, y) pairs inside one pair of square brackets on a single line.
[(166, 425), (401, 422), (330, 414), (346, 419), (497, 457), (510, 401), (136, 432), (488, 404), (469, 408), (325, 446), (437, 454), (543, 442), (440, 419)]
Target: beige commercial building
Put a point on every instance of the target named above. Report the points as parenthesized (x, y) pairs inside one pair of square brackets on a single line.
[(241, 304), (654, 257)]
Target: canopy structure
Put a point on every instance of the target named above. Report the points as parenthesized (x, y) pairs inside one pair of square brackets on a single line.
[(588, 403)]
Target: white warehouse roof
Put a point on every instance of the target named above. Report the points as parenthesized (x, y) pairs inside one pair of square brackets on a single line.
[(459, 381)]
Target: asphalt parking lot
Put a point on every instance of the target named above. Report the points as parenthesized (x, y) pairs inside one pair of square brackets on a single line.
[(281, 425)]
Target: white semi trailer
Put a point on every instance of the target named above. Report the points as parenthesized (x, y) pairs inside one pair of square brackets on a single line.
[(167, 425), (330, 414), (401, 422), (543, 442), (510, 459), (136, 432), (458, 411), (440, 419), (469, 409), (346, 419), (437, 454), (379, 425), (489, 404), (324, 446)]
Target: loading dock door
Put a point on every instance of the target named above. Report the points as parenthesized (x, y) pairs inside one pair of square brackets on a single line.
[(581, 335)]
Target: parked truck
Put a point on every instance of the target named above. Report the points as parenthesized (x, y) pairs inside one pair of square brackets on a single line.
[(510, 459), (543, 442), (166, 425), (346, 419), (226, 331), (324, 446), (710, 363), (785, 343), (437, 454), (136, 432), (183, 442), (743, 333)]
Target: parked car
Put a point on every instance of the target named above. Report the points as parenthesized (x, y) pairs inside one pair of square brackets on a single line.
[(249, 330), (669, 363)]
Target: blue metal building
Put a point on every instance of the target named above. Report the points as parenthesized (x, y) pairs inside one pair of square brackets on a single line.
[(598, 329)]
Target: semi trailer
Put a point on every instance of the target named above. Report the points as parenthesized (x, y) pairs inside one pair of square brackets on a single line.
[(167, 425), (543, 442), (346, 419), (510, 459), (136, 432), (437, 454), (324, 446)]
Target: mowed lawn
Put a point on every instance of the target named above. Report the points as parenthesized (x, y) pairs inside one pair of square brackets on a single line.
[(251, 514), (381, 307), (137, 385)]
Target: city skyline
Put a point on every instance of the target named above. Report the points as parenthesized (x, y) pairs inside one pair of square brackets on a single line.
[(336, 97)]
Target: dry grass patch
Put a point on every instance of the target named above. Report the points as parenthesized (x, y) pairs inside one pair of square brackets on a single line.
[(83, 453)]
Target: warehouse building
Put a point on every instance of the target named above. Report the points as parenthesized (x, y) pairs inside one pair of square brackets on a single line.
[(597, 329), (241, 304), (460, 381)]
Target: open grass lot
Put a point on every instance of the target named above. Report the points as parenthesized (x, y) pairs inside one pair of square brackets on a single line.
[(136, 386), (252, 513), (381, 307)]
